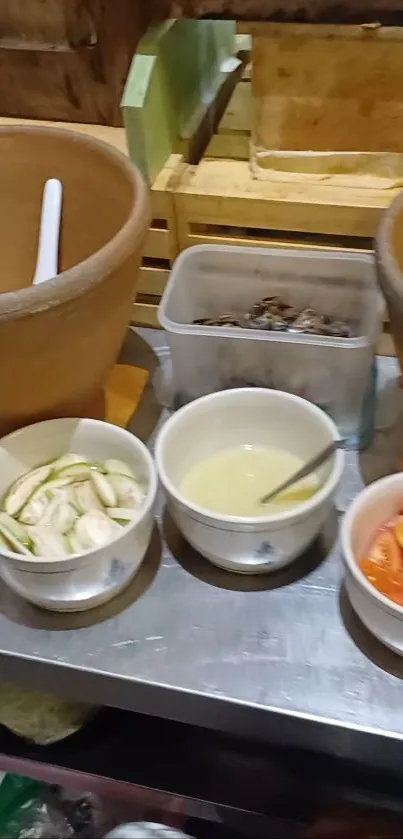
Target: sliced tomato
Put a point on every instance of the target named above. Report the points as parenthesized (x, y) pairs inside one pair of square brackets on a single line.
[(386, 551), (384, 580), (398, 531)]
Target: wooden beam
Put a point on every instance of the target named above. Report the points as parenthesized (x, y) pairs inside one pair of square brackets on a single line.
[(344, 11)]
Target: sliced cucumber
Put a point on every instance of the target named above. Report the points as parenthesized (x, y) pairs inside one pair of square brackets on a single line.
[(68, 506), (97, 466), (117, 467), (48, 544), (94, 529), (85, 497), (66, 460), (59, 516), (22, 489), (76, 471), (104, 489), (4, 543), (35, 508), (58, 484), (14, 544), (59, 494), (19, 531), (129, 492), (74, 543), (121, 514)]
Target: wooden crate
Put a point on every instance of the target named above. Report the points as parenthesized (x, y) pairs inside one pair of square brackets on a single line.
[(220, 200)]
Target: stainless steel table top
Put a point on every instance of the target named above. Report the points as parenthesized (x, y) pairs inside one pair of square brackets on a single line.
[(281, 658)]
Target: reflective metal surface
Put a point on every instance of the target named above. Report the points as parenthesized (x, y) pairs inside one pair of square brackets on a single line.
[(281, 658)]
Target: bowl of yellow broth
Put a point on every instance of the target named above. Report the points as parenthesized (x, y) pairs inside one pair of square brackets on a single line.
[(218, 456)]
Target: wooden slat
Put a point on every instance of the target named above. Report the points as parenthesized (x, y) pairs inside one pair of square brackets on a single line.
[(223, 192), (243, 44), (238, 114), (152, 280), (269, 242), (230, 146), (232, 139), (386, 345), (247, 73), (312, 31), (157, 244), (145, 314), (161, 190)]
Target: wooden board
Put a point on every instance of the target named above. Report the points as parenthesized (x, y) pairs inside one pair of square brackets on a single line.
[(175, 75), (288, 10), (355, 102), (232, 138), (66, 59)]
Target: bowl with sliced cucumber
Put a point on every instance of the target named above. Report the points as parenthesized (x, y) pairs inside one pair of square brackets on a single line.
[(76, 511)]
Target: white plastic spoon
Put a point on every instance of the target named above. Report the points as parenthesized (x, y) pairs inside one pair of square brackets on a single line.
[(48, 246)]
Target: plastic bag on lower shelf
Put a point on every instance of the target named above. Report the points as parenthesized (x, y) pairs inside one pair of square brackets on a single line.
[(23, 813), (32, 810)]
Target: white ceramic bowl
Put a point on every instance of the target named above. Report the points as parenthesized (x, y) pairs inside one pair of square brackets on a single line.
[(247, 416), (84, 580), (372, 507)]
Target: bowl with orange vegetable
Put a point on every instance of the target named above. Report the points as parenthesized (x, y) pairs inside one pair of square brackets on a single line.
[(372, 542)]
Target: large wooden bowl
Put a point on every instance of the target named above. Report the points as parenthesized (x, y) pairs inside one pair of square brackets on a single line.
[(59, 339)]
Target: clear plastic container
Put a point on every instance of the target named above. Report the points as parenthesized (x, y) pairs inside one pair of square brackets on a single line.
[(208, 280)]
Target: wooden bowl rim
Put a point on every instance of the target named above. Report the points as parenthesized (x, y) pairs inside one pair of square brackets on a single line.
[(90, 272)]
